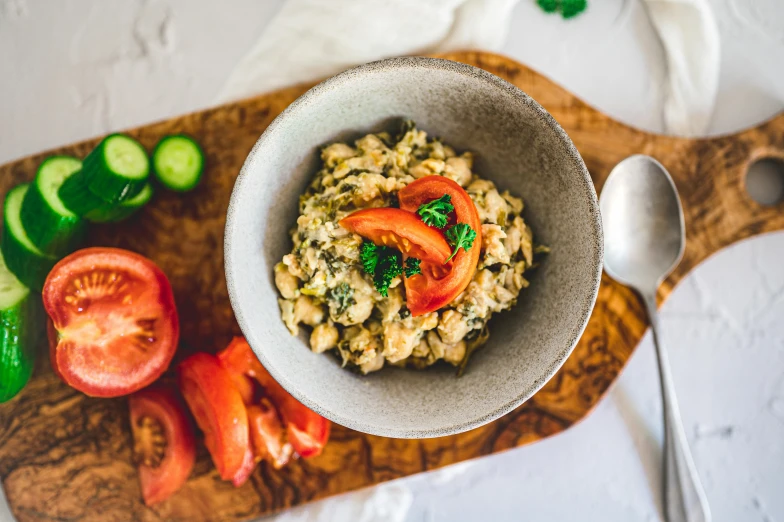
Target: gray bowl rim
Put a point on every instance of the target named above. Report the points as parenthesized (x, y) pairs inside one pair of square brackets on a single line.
[(402, 64)]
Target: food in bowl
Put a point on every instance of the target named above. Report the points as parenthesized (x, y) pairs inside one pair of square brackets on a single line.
[(402, 254)]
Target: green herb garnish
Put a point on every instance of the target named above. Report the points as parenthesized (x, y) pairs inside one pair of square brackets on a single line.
[(436, 213), (568, 8), (460, 236), (412, 267), (368, 255), (387, 268), (381, 262)]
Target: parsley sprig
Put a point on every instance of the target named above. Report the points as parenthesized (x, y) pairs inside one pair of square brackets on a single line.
[(436, 213), (385, 264), (460, 236)]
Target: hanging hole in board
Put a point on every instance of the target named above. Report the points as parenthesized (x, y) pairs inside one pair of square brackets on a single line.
[(765, 181)]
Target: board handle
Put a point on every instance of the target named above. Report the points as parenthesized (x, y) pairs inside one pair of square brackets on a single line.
[(718, 208)]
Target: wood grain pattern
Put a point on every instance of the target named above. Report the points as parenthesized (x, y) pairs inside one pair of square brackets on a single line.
[(64, 456)]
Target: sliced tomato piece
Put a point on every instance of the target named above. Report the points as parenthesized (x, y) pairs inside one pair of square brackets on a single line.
[(237, 369), (435, 287), (115, 318), (246, 470), (267, 435), (164, 446), (307, 431), (399, 229), (218, 409)]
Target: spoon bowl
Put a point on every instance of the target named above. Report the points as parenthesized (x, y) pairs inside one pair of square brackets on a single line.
[(643, 223)]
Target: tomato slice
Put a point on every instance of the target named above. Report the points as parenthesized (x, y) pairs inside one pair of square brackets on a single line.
[(164, 445), (435, 288), (116, 322), (399, 229), (218, 409), (236, 368), (246, 470), (307, 431), (267, 435)]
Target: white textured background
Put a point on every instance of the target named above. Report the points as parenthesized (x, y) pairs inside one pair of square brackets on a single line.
[(71, 69)]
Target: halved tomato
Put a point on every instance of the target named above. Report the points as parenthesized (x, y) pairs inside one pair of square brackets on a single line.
[(399, 229), (51, 334), (267, 435), (218, 409), (307, 431), (435, 288), (164, 447), (116, 322)]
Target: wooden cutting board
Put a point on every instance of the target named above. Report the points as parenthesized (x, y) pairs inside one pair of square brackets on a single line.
[(64, 456)]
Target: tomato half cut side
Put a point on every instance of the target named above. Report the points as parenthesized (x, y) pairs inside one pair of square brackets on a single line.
[(267, 435), (218, 409), (51, 335), (115, 318), (434, 288), (164, 445), (399, 229)]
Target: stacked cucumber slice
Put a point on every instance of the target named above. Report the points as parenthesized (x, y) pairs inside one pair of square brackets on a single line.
[(45, 220)]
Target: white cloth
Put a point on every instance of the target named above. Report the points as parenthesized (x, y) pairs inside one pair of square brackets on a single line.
[(312, 39), (690, 38)]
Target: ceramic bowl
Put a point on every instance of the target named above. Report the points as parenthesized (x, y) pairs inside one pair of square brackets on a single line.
[(518, 145)]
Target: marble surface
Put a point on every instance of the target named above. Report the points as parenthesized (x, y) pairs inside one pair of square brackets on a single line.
[(71, 69)]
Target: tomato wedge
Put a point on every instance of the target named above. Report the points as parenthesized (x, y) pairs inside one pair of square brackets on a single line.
[(307, 431), (435, 288), (218, 409), (267, 435), (399, 229), (246, 470), (115, 320), (164, 445)]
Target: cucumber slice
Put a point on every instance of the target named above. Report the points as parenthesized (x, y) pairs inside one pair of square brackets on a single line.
[(178, 162), (51, 226), (22, 257), (77, 197), (113, 213), (19, 327), (117, 169)]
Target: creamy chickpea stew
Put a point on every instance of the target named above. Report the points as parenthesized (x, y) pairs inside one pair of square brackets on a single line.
[(341, 285)]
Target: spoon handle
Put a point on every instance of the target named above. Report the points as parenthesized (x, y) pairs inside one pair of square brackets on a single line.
[(684, 498)]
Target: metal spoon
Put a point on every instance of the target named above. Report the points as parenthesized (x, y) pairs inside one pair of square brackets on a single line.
[(644, 241)]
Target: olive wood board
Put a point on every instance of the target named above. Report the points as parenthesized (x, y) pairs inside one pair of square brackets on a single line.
[(65, 456)]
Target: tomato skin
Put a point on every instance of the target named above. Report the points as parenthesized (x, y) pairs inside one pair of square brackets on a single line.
[(218, 409), (307, 431), (399, 229), (51, 335), (434, 288), (164, 406), (267, 435), (116, 321), (246, 470)]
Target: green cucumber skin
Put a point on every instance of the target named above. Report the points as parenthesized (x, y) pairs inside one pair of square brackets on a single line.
[(115, 213), (30, 268), (177, 186), (52, 233), (110, 187), (20, 333), (77, 197)]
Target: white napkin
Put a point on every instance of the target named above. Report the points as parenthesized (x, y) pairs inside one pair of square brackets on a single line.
[(690, 38), (313, 39)]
